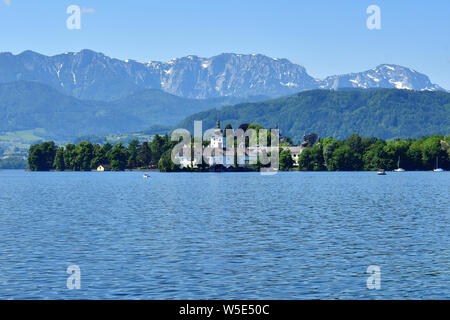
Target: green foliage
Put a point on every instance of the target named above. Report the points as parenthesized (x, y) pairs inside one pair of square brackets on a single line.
[(312, 159), (42, 156), (352, 154), (384, 113), (144, 156), (28, 105), (69, 157), (133, 151), (100, 155), (431, 149), (118, 157), (58, 163), (344, 159), (165, 164), (286, 162), (376, 157), (356, 154), (445, 145), (84, 156), (329, 147), (157, 148)]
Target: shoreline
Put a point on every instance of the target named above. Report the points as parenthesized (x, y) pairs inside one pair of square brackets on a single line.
[(247, 171)]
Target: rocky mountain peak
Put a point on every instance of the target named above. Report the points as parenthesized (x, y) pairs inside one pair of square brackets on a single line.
[(92, 75)]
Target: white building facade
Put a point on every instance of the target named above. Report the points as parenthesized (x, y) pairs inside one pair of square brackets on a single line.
[(216, 153)]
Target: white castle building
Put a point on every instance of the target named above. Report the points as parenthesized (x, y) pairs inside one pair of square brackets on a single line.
[(216, 154)]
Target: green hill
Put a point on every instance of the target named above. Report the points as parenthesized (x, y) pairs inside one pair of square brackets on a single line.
[(37, 109), (31, 105), (383, 113), (156, 107)]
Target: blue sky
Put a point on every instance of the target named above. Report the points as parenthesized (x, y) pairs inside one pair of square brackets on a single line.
[(325, 36)]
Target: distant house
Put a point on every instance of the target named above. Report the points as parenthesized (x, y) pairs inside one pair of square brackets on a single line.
[(104, 167)]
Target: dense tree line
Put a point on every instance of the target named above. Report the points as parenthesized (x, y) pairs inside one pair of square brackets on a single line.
[(357, 154), (86, 156), (352, 154)]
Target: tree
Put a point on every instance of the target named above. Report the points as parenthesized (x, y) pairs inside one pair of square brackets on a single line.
[(41, 156), (286, 162), (344, 159), (84, 156), (305, 160), (328, 150), (445, 145), (376, 157), (119, 157), (431, 149), (145, 155), (69, 157), (356, 147), (59, 159), (134, 148), (100, 157), (107, 147), (317, 157), (414, 155), (157, 148), (311, 159), (396, 150), (165, 163), (355, 143)]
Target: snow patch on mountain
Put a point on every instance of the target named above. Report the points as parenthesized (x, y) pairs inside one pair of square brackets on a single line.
[(92, 75), (382, 76)]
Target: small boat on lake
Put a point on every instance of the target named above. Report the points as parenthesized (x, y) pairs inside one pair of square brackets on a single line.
[(146, 175), (381, 172), (437, 166)]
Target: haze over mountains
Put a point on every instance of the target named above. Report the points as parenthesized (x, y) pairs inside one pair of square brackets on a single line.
[(95, 76)]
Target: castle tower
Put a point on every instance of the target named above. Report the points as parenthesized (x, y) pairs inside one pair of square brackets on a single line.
[(217, 140)]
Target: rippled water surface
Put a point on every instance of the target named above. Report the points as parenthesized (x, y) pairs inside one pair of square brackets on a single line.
[(230, 236)]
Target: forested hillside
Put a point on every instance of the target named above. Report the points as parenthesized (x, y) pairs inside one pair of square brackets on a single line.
[(383, 113)]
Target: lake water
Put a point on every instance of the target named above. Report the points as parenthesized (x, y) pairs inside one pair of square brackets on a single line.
[(231, 236)]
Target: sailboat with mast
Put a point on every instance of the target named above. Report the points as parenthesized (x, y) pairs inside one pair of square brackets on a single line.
[(398, 166), (437, 169)]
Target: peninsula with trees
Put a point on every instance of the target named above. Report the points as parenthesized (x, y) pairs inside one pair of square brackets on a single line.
[(354, 153)]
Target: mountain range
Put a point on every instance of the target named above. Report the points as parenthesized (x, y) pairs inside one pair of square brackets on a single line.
[(94, 76)]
